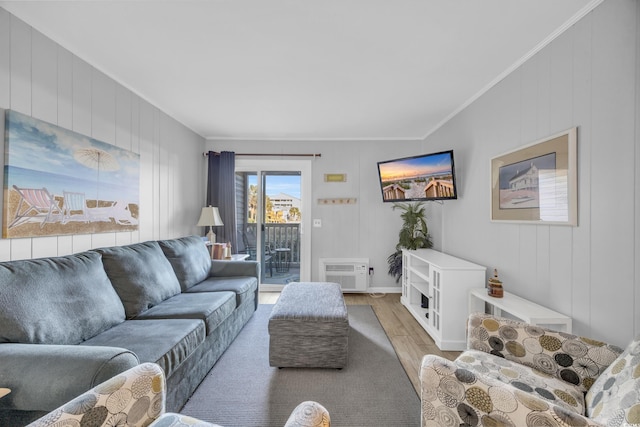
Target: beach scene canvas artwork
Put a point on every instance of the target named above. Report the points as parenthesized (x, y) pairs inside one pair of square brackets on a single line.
[(57, 182)]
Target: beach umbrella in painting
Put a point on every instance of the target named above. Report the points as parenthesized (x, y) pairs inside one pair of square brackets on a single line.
[(95, 158)]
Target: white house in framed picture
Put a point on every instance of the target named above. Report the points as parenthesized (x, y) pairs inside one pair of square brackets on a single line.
[(61, 182), (537, 183)]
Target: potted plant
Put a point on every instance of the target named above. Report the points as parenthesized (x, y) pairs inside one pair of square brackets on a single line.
[(414, 234)]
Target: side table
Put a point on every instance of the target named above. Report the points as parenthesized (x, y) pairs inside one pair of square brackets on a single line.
[(520, 308)]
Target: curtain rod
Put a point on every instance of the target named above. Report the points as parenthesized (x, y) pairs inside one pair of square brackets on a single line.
[(314, 155)]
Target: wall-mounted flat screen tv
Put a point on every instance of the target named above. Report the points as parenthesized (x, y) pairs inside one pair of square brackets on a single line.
[(424, 177)]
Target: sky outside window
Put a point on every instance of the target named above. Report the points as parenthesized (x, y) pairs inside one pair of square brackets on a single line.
[(276, 184)]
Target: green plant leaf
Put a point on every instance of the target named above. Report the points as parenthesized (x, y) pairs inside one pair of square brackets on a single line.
[(413, 235)]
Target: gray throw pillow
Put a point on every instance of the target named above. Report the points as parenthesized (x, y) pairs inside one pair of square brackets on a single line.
[(140, 274), (189, 258), (57, 300)]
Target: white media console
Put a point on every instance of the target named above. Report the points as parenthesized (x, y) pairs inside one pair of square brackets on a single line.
[(445, 281)]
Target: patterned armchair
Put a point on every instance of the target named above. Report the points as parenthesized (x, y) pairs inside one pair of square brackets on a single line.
[(136, 398), (516, 374)]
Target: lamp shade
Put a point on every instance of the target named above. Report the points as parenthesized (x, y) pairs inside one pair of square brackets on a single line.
[(210, 216)]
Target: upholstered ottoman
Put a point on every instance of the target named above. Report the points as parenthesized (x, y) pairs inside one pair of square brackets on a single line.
[(309, 327)]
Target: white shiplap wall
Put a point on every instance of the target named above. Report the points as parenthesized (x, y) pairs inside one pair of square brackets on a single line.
[(589, 77), (42, 79)]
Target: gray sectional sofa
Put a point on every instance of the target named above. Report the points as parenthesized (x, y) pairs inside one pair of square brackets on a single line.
[(69, 323)]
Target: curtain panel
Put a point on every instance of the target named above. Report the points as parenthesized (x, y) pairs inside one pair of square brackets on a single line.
[(221, 193)]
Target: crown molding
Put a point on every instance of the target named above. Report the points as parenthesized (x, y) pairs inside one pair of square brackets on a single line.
[(319, 139)]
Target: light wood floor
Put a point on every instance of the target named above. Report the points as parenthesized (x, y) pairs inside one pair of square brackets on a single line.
[(410, 341)]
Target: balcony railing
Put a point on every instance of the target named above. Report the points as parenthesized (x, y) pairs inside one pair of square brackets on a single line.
[(277, 235)]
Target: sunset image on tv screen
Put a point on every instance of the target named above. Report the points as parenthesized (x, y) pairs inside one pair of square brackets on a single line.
[(418, 178)]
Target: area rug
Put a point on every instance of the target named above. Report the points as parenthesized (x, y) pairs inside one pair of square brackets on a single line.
[(243, 390)]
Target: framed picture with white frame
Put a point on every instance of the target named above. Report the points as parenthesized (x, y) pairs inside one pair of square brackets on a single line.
[(537, 183)]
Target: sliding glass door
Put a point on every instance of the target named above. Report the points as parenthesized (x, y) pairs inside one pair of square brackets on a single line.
[(272, 200)]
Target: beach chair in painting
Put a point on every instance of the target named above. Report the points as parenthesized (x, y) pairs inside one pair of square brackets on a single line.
[(36, 204), (118, 211), (122, 213), (75, 207)]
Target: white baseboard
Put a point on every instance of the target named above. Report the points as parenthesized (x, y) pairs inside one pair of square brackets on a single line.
[(270, 288), (265, 287), (391, 290)]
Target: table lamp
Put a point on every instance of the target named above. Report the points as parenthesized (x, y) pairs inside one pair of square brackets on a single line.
[(210, 216)]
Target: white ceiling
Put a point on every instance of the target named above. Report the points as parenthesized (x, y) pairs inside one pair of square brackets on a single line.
[(305, 69)]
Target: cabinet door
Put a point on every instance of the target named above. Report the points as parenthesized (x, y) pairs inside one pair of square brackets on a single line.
[(436, 294)]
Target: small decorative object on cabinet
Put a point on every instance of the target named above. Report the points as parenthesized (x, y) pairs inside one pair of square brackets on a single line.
[(446, 281), (494, 286)]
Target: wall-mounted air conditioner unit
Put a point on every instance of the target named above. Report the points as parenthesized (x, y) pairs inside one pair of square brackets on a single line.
[(351, 273)]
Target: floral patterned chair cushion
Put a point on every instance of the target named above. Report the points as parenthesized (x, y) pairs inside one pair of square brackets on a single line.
[(524, 378), (452, 395), (614, 399), (517, 374), (136, 398), (576, 360)]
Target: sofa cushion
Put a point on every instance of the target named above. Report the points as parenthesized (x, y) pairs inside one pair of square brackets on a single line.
[(141, 275), (167, 342), (189, 258), (59, 300), (243, 286), (210, 307), (523, 378), (614, 399)]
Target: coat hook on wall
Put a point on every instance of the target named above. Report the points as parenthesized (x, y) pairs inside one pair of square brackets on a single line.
[(338, 201)]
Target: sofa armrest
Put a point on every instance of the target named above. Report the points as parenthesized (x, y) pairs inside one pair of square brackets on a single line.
[(42, 377), (451, 395), (235, 268), (134, 397), (576, 360)]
